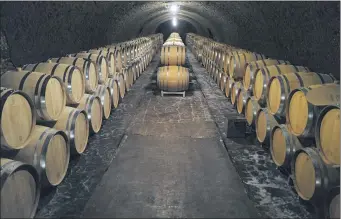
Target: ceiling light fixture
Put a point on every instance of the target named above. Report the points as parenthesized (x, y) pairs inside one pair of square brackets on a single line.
[(174, 8)]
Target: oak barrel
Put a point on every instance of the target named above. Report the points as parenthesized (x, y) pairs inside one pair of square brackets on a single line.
[(264, 124), (234, 91), (110, 59), (71, 75), (127, 75), (242, 96), (91, 104), (75, 124), (333, 203), (173, 78), (114, 92), (101, 64), (173, 55), (49, 152), (17, 116), (327, 134), (121, 84), (228, 86), (47, 92), (227, 59), (118, 58), (283, 146), (88, 68), (263, 75), (238, 61), (312, 177), (304, 105), (104, 94), (251, 109), (223, 82), (252, 67), (20, 189), (280, 86)]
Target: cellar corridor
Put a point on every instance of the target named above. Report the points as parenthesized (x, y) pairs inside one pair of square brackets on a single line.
[(166, 157), (87, 131)]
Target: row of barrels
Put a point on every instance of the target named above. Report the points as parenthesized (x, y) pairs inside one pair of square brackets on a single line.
[(294, 111), (47, 116), (173, 77), (173, 51)]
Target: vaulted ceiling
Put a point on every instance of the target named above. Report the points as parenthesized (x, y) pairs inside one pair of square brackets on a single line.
[(305, 33)]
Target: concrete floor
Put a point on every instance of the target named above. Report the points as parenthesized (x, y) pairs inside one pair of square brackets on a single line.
[(171, 165), (169, 157)]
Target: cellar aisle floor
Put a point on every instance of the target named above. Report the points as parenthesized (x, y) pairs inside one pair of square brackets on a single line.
[(165, 157)]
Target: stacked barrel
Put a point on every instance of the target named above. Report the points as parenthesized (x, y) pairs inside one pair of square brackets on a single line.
[(49, 109), (173, 76), (295, 113)]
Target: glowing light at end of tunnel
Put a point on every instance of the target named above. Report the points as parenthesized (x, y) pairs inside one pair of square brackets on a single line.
[(175, 22)]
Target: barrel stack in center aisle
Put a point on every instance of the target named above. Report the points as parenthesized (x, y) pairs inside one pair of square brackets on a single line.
[(173, 77)]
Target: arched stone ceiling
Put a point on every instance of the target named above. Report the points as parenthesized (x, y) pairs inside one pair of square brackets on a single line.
[(304, 33), (151, 14)]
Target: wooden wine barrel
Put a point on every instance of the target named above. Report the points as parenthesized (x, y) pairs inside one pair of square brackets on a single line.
[(91, 104), (241, 98), (114, 92), (264, 124), (118, 58), (252, 67), (333, 204), (283, 146), (75, 124), (110, 59), (138, 66), (173, 55), (17, 116), (234, 91), (127, 75), (121, 84), (20, 189), (227, 58), (280, 86), (327, 134), (304, 105), (173, 78), (71, 75), (101, 64), (49, 152), (222, 82), (263, 75), (88, 68), (312, 177), (47, 92), (104, 94), (228, 86), (238, 61)]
